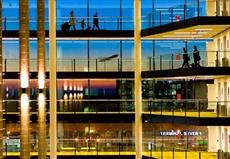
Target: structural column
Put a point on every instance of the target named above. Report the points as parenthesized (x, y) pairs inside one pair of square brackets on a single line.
[(24, 78), (1, 87), (52, 79), (41, 61), (137, 82)]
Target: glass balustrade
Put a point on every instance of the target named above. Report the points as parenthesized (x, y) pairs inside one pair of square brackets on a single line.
[(175, 61), (187, 108), (78, 145), (105, 23), (160, 62), (169, 107), (187, 10), (78, 65)]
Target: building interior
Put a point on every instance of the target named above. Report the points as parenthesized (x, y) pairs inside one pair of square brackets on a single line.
[(116, 79)]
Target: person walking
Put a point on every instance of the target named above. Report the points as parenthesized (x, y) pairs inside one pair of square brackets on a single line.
[(196, 56), (186, 59), (83, 24), (72, 20), (95, 22)]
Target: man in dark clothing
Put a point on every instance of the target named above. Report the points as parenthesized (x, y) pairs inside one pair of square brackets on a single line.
[(95, 22), (185, 58), (196, 56)]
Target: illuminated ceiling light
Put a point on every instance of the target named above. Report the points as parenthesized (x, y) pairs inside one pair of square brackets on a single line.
[(74, 96), (204, 29), (70, 96), (190, 33), (65, 86), (182, 36), (65, 96)]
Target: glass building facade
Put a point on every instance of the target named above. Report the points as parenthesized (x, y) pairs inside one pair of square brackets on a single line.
[(95, 112)]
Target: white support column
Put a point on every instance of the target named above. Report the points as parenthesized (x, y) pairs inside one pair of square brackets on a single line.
[(52, 67), (213, 139), (137, 82), (220, 138)]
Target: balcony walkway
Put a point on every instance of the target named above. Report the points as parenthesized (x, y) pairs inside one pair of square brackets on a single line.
[(194, 28), (126, 155), (204, 73), (78, 34), (78, 75), (181, 73)]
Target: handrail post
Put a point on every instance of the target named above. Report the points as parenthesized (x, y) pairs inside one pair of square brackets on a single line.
[(118, 23), (149, 15), (153, 17), (74, 65), (173, 111), (150, 64), (161, 151), (185, 151), (173, 152), (160, 18), (96, 65), (5, 65), (118, 65), (185, 11), (161, 110), (172, 60), (217, 109), (185, 108), (199, 108), (151, 147), (217, 59), (150, 107), (121, 21), (5, 24), (160, 62)]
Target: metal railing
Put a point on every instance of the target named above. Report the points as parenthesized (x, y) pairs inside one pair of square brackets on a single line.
[(190, 9), (187, 108), (105, 23), (78, 65), (78, 106), (160, 62), (172, 152), (79, 145), (175, 61), (170, 107)]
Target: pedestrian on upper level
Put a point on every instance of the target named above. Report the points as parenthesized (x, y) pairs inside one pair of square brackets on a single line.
[(72, 21), (196, 56), (83, 24), (95, 22), (186, 59)]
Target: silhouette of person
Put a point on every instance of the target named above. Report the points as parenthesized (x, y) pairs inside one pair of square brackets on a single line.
[(185, 58), (72, 20), (95, 22), (196, 56), (83, 24)]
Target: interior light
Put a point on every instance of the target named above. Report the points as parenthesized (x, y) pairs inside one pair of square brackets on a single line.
[(204, 29)]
